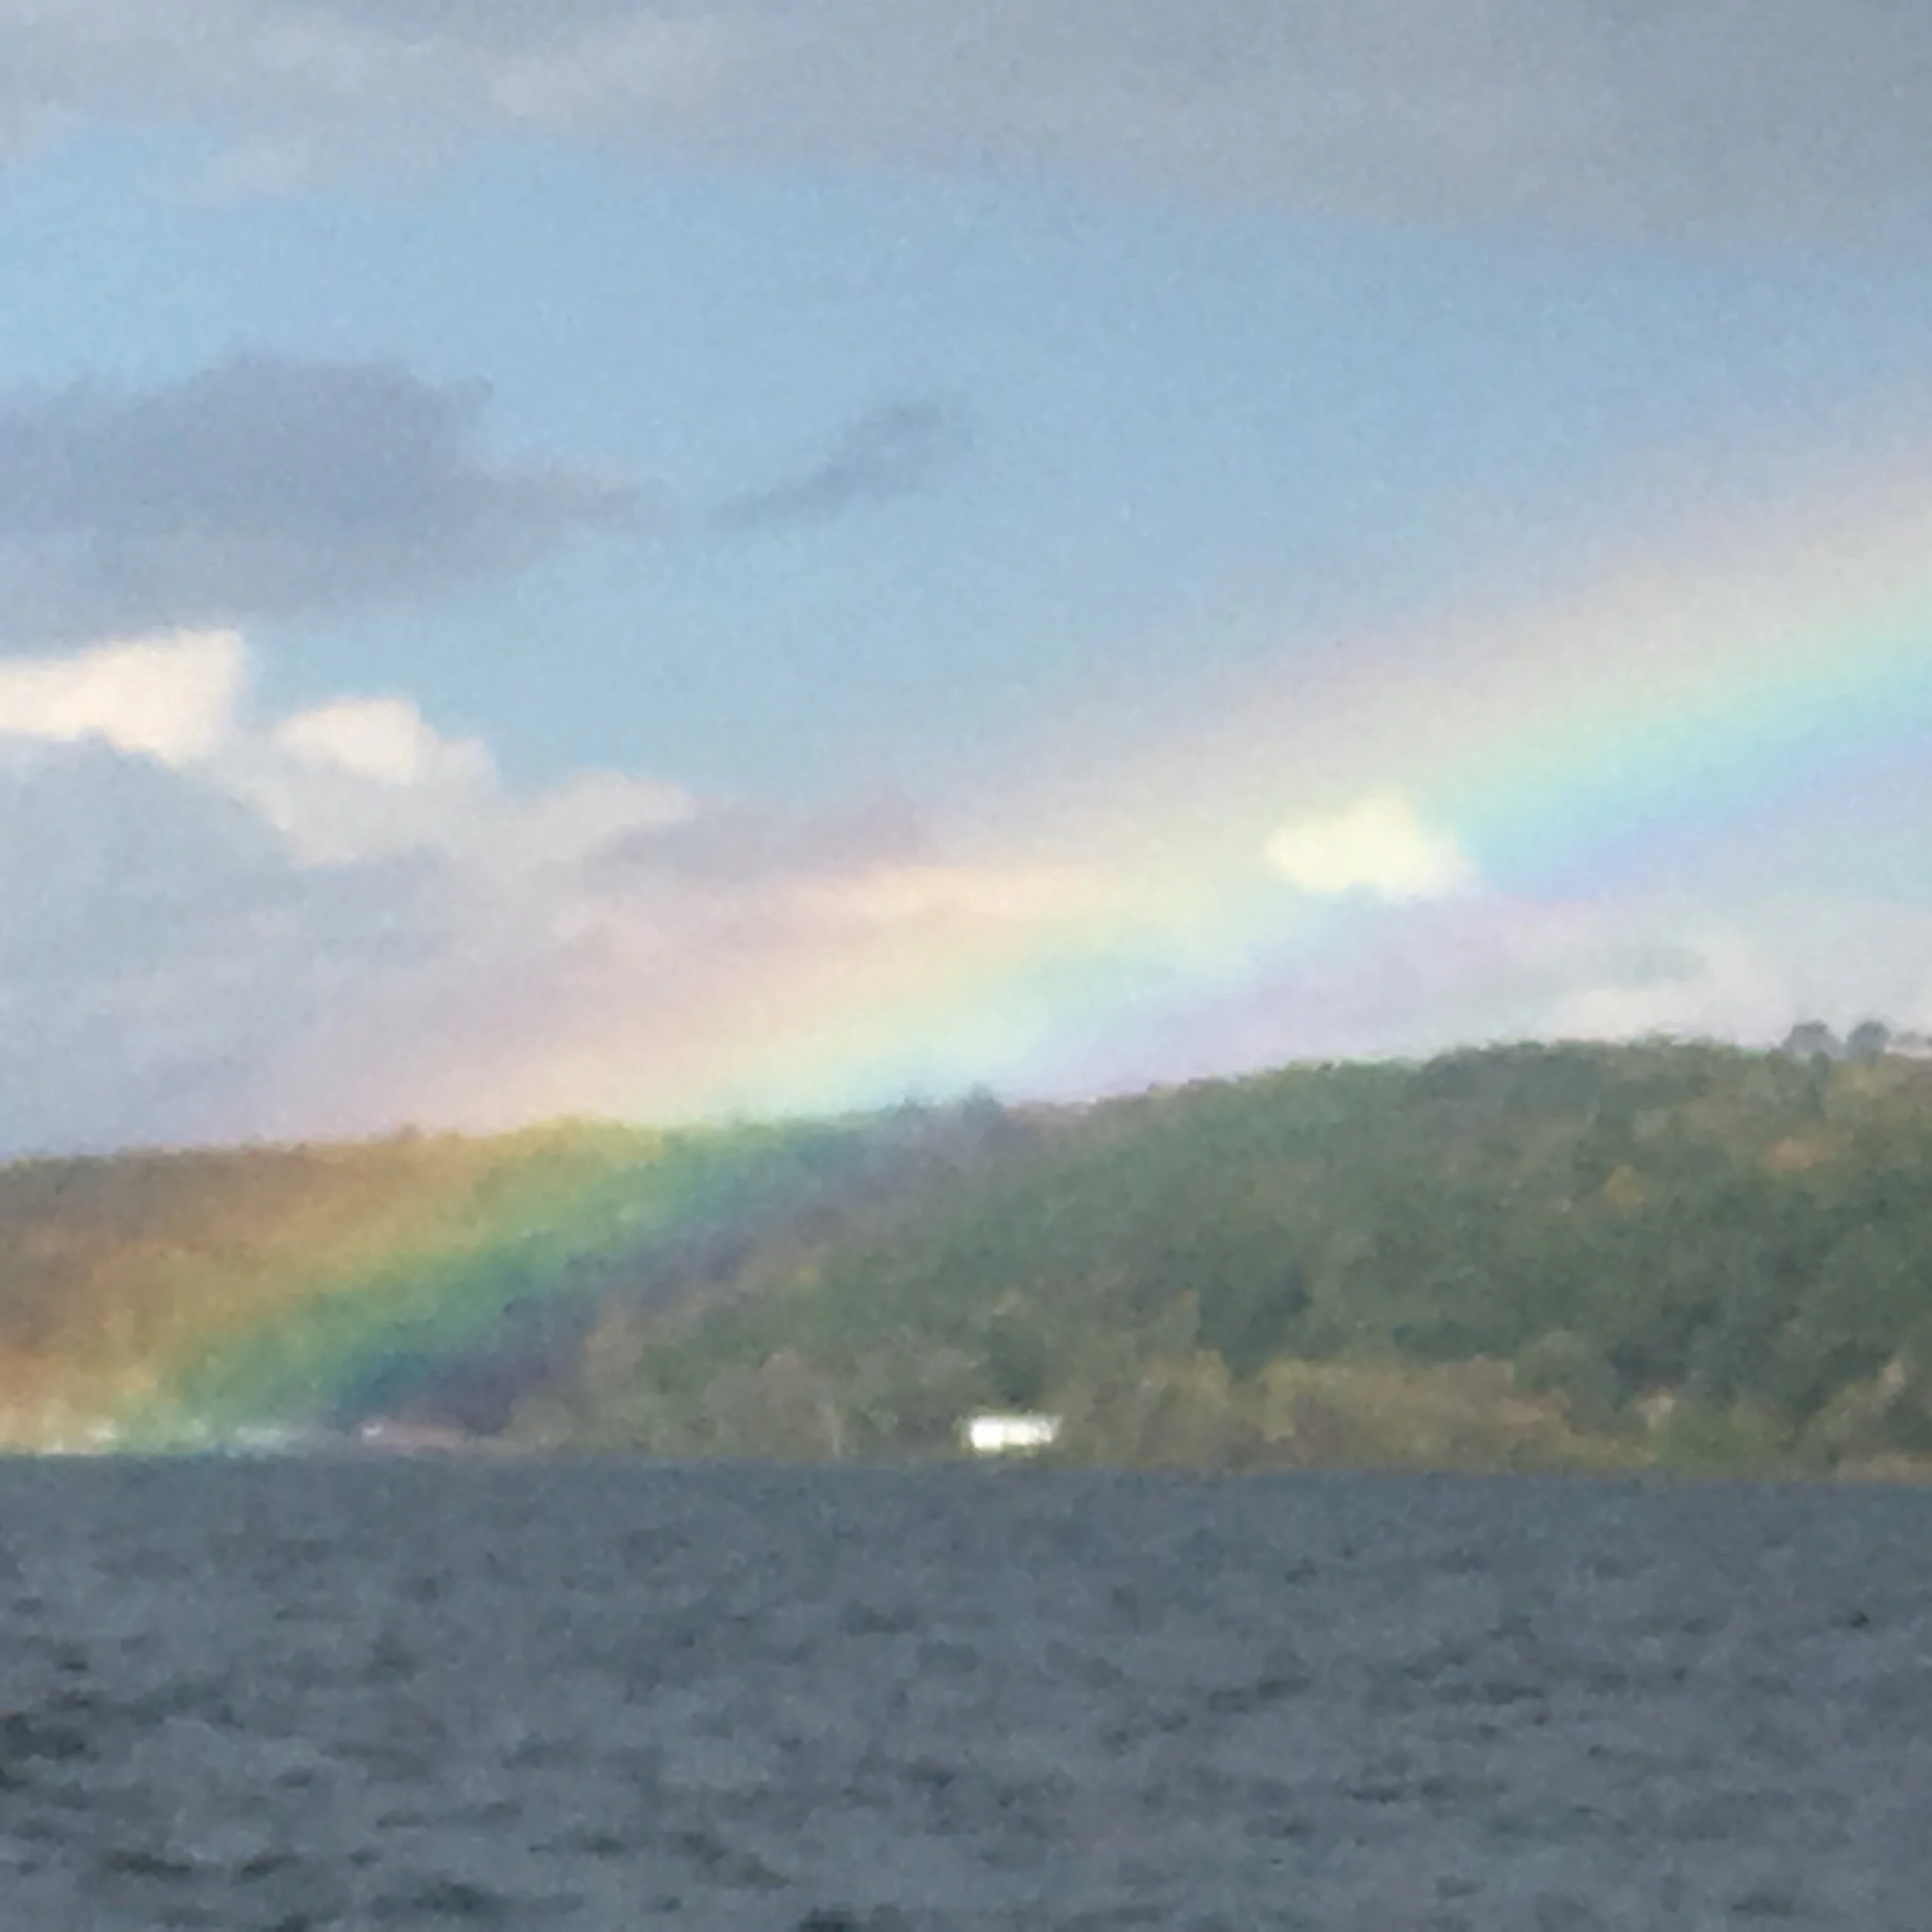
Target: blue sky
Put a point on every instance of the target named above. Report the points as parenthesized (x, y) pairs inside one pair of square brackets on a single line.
[(1179, 428), (808, 413)]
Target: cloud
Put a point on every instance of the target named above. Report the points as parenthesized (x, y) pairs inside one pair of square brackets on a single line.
[(222, 925), (159, 950), (263, 487), (197, 903), (1380, 979), (294, 85), (730, 843), (345, 920), (899, 449), (1689, 118), (386, 740), (1378, 846), (173, 699)]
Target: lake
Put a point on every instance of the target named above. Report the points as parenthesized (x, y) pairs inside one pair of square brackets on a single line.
[(408, 1693)]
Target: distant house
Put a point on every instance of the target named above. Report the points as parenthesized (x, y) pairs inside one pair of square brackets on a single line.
[(1010, 1435), (395, 1437)]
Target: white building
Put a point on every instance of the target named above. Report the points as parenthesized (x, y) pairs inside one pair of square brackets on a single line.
[(1009, 1435)]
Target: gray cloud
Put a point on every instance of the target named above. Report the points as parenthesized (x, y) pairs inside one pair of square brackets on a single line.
[(896, 450), (728, 846), (172, 969), (263, 487), (1687, 118), (185, 957), (160, 949)]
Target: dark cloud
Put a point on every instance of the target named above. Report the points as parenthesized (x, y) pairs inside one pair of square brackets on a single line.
[(896, 450), (498, 23), (1692, 117), (160, 948), (174, 968), (725, 847), (262, 488)]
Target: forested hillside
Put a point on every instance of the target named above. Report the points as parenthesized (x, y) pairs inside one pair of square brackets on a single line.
[(179, 1300), (1529, 1256), (1526, 1257)]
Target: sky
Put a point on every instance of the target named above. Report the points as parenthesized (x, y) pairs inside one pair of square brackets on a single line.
[(676, 559)]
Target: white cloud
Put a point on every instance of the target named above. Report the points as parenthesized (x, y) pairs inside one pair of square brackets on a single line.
[(214, 925), (1378, 846), (592, 813), (365, 778), (172, 698), (217, 925), (386, 740), (357, 778), (361, 779)]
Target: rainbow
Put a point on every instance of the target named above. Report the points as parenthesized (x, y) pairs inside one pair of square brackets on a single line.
[(205, 1296), (1564, 750), (1567, 744), (1570, 748)]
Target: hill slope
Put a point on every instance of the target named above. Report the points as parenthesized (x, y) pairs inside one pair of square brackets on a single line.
[(165, 1299), (1536, 1255), (1525, 1257)]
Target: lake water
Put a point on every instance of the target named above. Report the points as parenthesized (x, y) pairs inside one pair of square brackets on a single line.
[(411, 1694)]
